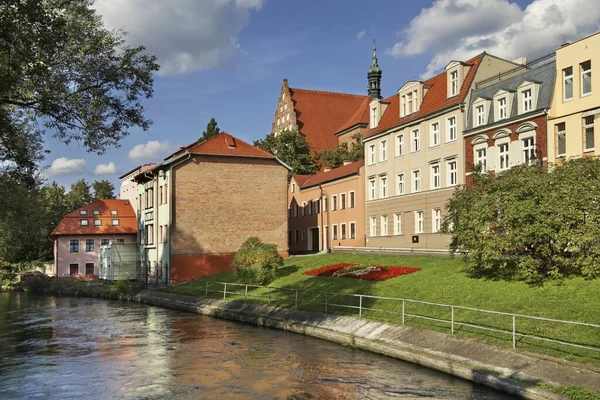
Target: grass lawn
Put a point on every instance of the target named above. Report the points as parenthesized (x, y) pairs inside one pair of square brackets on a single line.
[(441, 280)]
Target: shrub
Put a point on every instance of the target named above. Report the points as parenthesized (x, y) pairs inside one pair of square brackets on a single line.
[(257, 262)]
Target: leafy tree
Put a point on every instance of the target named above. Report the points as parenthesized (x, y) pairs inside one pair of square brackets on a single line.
[(335, 158), (257, 262), (211, 130), (292, 148), (79, 195), (61, 67), (103, 190)]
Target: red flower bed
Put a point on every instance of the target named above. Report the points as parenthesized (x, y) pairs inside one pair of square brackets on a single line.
[(377, 272)]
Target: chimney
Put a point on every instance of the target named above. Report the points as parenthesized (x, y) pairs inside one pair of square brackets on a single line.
[(347, 162)]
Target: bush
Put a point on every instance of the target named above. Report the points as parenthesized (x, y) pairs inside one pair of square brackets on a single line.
[(257, 262)]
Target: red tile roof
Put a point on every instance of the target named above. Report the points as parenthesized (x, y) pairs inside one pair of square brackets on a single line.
[(306, 181), (71, 223), (360, 116), (320, 114), (224, 144), (435, 99)]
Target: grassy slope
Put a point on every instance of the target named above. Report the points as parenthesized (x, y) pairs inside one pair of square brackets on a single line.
[(442, 281)]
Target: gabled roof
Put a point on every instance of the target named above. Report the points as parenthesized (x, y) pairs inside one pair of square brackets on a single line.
[(223, 144), (435, 99), (360, 116), (320, 114), (142, 168), (71, 223), (306, 181)]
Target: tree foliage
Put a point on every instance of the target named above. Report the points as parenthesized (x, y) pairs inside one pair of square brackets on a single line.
[(293, 149), (79, 195), (257, 262), (335, 158), (529, 224), (103, 190), (211, 130)]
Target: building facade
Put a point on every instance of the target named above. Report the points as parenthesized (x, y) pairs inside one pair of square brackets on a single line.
[(327, 209), (573, 122), (128, 189), (203, 202), (414, 154), (80, 234), (507, 119)]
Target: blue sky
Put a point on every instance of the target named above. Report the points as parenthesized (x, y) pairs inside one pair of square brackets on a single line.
[(227, 58)]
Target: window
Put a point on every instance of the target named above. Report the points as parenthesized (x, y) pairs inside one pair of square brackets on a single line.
[(293, 187), (296, 209), (451, 129), (335, 232), (115, 222), (317, 206), (419, 228), (352, 230), (310, 207), (342, 201), (502, 108), (373, 231), (166, 195), (343, 231), (453, 83), (104, 242), (372, 189), (481, 158), (74, 269), (302, 235), (435, 176), (84, 222), (561, 139), (296, 236), (325, 203), (384, 225), (351, 199), (400, 184), (400, 145), (160, 191), (82, 212), (372, 154), (568, 83), (452, 173), (97, 222), (588, 133), (114, 212), (96, 212), (397, 224), (149, 234), (383, 185), (434, 133), (120, 241), (89, 245), (503, 156), (334, 202), (479, 112), (160, 234), (89, 268), (586, 78), (74, 246), (528, 150), (436, 220), (416, 181), (374, 117), (527, 100), (416, 140), (383, 147)]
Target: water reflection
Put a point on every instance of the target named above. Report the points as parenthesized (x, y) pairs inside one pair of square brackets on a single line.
[(86, 348)]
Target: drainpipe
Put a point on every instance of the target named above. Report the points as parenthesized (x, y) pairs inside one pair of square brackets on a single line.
[(325, 243)]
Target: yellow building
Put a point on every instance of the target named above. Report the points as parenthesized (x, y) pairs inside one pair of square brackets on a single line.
[(573, 121)]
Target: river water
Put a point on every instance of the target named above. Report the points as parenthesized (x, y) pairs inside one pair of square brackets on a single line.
[(66, 347)]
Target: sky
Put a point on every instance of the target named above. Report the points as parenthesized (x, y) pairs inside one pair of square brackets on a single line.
[(227, 59)]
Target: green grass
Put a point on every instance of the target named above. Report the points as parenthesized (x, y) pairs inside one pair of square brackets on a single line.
[(441, 280)]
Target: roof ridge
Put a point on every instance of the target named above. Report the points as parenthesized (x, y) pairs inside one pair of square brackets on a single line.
[(330, 92)]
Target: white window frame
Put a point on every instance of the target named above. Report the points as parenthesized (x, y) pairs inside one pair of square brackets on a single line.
[(342, 201), (334, 204), (383, 148), (397, 223), (400, 184), (436, 179), (499, 146), (588, 123), (335, 233), (416, 181), (84, 222), (303, 209), (419, 221), (502, 108), (567, 78), (383, 186), (583, 74), (436, 220), (558, 133), (480, 115), (451, 129), (453, 83), (373, 227), (528, 159), (527, 100), (384, 226), (343, 231), (372, 159), (434, 134), (451, 173), (415, 142), (400, 145), (372, 190), (352, 230), (351, 199), (478, 160)]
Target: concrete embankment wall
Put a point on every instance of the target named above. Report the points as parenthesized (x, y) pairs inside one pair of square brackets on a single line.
[(511, 371)]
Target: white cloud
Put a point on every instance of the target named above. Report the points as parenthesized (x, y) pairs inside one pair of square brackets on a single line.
[(360, 34), (185, 35), (106, 169), (65, 166), (460, 29), (154, 150)]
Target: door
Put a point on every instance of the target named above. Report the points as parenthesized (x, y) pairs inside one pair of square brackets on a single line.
[(73, 269), (315, 239)]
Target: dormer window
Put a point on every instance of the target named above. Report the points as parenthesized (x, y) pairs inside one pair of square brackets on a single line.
[(410, 94), (526, 95), (82, 212), (502, 114), (373, 117), (480, 115), (453, 83)]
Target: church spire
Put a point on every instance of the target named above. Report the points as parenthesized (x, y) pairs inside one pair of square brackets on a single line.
[(374, 75)]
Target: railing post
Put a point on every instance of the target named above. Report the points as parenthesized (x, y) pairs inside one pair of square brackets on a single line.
[(296, 299), (246, 293), (326, 300), (190, 287), (269, 294), (514, 332), (452, 320), (206, 294), (402, 311), (224, 291), (359, 306)]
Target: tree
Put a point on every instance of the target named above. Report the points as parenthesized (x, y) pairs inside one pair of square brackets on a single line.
[(292, 148), (79, 195), (61, 67), (211, 130), (335, 158), (103, 190)]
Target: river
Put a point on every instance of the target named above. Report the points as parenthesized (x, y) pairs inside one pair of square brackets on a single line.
[(67, 347)]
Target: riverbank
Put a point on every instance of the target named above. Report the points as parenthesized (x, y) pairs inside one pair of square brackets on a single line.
[(513, 371), (119, 290)]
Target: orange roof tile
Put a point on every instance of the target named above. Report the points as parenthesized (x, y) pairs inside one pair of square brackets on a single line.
[(361, 116), (224, 144), (320, 114), (71, 223), (306, 181), (435, 99)]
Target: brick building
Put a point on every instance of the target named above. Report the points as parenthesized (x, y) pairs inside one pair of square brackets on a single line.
[(201, 203)]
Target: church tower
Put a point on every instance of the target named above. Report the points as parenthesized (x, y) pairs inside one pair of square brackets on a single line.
[(374, 76)]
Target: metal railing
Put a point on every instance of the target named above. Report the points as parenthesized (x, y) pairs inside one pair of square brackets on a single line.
[(546, 59), (302, 297)]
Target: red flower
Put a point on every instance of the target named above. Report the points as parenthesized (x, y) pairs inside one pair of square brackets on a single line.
[(327, 270), (381, 273)]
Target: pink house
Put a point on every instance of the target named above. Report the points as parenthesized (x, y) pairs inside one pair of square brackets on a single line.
[(128, 189), (80, 234)]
